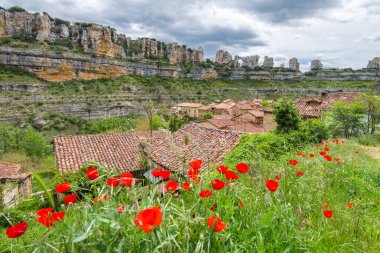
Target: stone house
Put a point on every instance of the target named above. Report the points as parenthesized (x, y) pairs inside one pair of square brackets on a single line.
[(190, 110), (13, 184)]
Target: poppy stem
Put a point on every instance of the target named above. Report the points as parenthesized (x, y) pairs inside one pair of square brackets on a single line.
[(10, 223)]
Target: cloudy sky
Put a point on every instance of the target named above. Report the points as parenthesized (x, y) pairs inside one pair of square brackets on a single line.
[(341, 33)]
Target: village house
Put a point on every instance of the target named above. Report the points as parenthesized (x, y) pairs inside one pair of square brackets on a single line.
[(190, 110), (132, 151), (14, 185)]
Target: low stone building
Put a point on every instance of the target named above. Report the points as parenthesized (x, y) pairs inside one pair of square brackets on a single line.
[(14, 185), (190, 110)]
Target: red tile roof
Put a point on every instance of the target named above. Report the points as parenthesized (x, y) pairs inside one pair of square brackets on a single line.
[(220, 122), (11, 171), (305, 108), (329, 99), (189, 143), (222, 106), (246, 128)]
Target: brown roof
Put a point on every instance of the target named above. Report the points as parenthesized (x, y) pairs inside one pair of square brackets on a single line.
[(192, 105), (222, 106), (329, 99), (246, 128), (257, 113), (116, 150), (220, 122), (192, 142), (11, 171), (244, 105), (305, 108)]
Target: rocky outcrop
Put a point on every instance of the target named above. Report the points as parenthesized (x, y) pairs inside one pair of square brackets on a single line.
[(92, 38), (268, 62), (223, 57), (24, 87), (342, 75), (316, 65), (293, 64), (374, 63), (248, 61)]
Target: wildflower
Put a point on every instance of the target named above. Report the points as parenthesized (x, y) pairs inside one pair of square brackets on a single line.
[(100, 199), (217, 184), (157, 172), (356, 151), (193, 173), (197, 164), (62, 188), (376, 201), (300, 173), (328, 213), (72, 198), (17, 230), (322, 153), (120, 209), (205, 194), (299, 153), (327, 148), (222, 169), (349, 204), (231, 175), (216, 224), (303, 155), (165, 174), (186, 186), (293, 162), (241, 204), (47, 217), (328, 158), (92, 173), (171, 186), (127, 179), (277, 177), (113, 182), (324, 204), (148, 218), (242, 168), (272, 185), (311, 155)]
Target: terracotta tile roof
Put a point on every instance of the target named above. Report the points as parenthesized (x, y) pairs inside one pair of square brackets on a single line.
[(305, 108), (329, 99), (192, 142), (11, 171), (192, 105), (243, 105), (220, 122), (222, 106), (257, 113), (116, 150), (246, 128)]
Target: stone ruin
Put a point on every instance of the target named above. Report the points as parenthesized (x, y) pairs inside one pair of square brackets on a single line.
[(316, 65)]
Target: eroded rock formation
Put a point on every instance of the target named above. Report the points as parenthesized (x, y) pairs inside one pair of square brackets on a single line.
[(374, 63), (293, 64), (223, 57), (268, 62), (316, 65)]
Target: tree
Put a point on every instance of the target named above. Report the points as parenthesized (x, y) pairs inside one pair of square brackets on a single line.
[(348, 118), (372, 111), (286, 116), (34, 143), (175, 123)]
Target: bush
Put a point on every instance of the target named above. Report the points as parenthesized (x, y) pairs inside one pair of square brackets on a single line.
[(16, 9), (34, 144), (286, 116), (207, 115), (369, 140)]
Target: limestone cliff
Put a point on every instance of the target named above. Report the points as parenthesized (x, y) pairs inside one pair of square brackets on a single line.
[(92, 38)]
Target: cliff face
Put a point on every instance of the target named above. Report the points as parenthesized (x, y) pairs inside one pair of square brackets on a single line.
[(92, 38), (57, 68)]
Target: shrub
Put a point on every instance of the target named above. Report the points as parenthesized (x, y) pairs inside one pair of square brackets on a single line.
[(286, 116), (16, 9), (207, 115), (34, 144)]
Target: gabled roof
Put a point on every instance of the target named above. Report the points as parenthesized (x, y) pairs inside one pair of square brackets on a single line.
[(192, 105), (246, 128), (222, 106), (11, 171), (305, 108), (329, 99), (190, 143), (220, 122)]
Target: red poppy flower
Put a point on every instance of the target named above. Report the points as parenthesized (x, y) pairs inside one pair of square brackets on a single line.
[(17, 230), (327, 148), (62, 188), (113, 182), (205, 194), (217, 184), (322, 153), (349, 204), (193, 173), (222, 169), (343, 141), (171, 186), (92, 173), (328, 213), (328, 158), (311, 155), (317, 144), (242, 168), (47, 217), (157, 172), (277, 177), (148, 218), (100, 199), (186, 186), (272, 185), (241, 204), (216, 224), (356, 152), (230, 175), (120, 209), (293, 162), (127, 179), (165, 174), (324, 204), (196, 165), (299, 153), (303, 155), (376, 201), (300, 173), (194, 215), (72, 198)]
